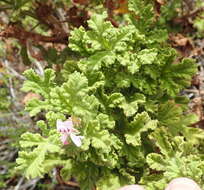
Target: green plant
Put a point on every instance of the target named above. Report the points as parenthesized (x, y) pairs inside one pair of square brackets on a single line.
[(122, 88), (198, 23)]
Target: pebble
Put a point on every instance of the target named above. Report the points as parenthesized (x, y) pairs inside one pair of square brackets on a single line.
[(182, 183), (132, 187)]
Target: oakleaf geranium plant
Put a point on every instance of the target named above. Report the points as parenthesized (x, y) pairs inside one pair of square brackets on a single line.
[(122, 87)]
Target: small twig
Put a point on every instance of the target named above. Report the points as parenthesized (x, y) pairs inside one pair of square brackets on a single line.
[(11, 71), (11, 89), (61, 181), (3, 8), (30, 183), (113, 22), (195, 12), (32, 53), (14, 31), (39, 67), (200, 16), (61, 14), (34, 184), (18, 186), (9, 114), (5, 141), (192, 90), (34, 27), (110, 5), (192, 14)]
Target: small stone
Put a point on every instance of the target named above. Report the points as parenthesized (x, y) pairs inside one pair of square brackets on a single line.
[(183, 183), (132, 187)]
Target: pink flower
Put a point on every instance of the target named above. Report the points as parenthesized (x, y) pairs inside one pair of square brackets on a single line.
[(66, 128)]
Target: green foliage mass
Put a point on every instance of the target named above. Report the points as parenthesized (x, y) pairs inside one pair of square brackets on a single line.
[(124, 88)]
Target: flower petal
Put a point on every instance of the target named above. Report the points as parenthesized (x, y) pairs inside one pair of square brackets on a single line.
[(59, 125), (68, 123), (63, 138), (76, 139), (64, 126)]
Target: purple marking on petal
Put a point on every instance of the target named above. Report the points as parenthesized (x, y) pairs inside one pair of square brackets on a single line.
[(65, 126), (63, 138)]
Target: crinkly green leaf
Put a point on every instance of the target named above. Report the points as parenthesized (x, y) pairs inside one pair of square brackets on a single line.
[(77, 41), (156, 161), (43, 126), (97, 36), (174, 77), (115, 100), (122, 36), (39, 84), (51, 143), (141, 123), (181, 163), (134, 155), (95, 62), (106, 122), (102, 36), (73, 97), (86, 173), (154, 181), (97, 24), (98, 134), (130, 61), (100, 139), (111, 182), (147, 56), (160, 136), (144, 10), (194, 135), (129, 108), (32, 163), (35, 106), (135, 6), (170, 115)]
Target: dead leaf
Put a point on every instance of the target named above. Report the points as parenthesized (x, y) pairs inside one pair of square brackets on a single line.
[(198, 107), (183, 44), (161, 2), (81, 2), (2, 70), (1, 83), (200, 124), (157, 6), (196, 81), (178, 39), (122, 7), (77, 17), (29, 97)]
